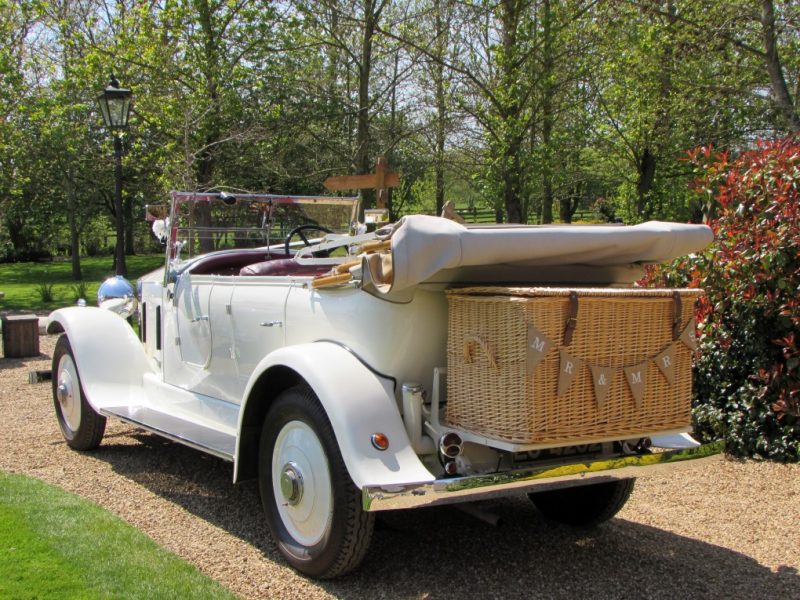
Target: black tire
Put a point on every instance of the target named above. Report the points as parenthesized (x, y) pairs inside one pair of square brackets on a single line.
[(585, 506), (80, 425), (337, 537)]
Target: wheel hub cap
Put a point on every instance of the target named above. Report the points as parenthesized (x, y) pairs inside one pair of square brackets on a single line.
[(62, 392), (291, 484)]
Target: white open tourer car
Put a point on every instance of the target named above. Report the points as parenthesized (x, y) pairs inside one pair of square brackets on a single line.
[(424, 363)]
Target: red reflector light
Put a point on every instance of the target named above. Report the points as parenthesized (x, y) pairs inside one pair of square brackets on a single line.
[(380, 441)]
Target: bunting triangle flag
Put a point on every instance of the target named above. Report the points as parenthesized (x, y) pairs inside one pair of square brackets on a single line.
[(666, 363), (688, 336), (567, 369), (637, 380), (601, 378), (539, 345)]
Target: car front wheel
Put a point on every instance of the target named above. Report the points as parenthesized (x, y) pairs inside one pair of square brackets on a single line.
[(585, 505), (80, 425), (313, 508)]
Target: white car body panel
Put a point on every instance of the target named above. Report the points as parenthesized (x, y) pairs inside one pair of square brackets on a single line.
[(110, 373), (358, 403)]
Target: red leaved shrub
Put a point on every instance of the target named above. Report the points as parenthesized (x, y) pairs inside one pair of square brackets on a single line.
[(747, 376)]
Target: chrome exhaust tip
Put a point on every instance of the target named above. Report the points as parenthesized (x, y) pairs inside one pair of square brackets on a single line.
[(450, 445)]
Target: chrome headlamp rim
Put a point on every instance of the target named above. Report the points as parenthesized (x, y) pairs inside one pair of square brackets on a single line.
[(118, 295)]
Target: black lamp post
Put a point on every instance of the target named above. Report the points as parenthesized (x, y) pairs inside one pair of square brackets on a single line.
[(115, 105)]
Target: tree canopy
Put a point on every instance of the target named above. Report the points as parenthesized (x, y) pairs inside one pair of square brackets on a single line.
[(532, 108)]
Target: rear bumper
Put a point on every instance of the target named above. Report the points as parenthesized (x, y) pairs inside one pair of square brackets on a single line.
[(478, 487)]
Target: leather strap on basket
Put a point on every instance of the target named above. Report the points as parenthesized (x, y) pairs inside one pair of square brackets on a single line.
[(676, 315), (474, 339), (572, 318)]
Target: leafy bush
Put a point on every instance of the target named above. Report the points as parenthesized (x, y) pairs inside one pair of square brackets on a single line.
[(45, 290), (26, 255), (606, 209), (79, 290), (747, 376)]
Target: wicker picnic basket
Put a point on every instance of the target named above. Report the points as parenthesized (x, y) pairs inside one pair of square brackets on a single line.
[(492, 391)]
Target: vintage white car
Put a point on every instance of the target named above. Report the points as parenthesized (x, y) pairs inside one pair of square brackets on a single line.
[(424, 363)]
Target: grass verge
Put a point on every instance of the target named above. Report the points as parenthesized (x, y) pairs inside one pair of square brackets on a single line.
[(57, 545), (22, 283)]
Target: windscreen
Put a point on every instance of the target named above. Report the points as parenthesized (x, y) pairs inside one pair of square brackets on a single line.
[(202, 223)]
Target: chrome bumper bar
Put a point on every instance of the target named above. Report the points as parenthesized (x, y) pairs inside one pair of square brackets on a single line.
[(479, 487)]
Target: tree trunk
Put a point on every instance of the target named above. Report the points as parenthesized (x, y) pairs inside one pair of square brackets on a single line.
[(206, 161), (74, 236), (511, 114), (512, 185), (547, 115), (780, 91), (647, 173), (441, 106), (392, 131), (364, 70)]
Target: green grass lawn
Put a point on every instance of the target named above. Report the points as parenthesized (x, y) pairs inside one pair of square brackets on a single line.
[(57, 545), (21, 282)]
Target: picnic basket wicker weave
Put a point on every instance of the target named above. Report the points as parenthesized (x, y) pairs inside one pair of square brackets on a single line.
[(492, 391)]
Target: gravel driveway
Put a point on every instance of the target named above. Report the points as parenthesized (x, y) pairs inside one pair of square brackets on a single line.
[(730, 531)]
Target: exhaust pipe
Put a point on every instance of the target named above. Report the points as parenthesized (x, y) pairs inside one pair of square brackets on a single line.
[(450, 445)]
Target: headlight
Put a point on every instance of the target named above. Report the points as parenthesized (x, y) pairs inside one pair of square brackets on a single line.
[(117, 295)]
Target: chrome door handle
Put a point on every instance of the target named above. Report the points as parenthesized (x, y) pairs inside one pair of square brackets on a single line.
[(202, 318), (272, 323)]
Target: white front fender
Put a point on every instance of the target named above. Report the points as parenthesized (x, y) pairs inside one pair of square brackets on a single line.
[(358, 404), (110, 359)]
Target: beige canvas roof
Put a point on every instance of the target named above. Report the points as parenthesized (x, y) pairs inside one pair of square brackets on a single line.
[(424, 246)]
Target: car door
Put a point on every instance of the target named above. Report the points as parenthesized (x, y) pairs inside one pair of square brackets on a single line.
[(258, 309), (192, 295)]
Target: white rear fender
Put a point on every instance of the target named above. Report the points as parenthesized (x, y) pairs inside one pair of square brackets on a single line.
[(110, 358), (358, 403)]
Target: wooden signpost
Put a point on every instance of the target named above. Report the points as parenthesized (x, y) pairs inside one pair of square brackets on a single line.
[(381, 180)]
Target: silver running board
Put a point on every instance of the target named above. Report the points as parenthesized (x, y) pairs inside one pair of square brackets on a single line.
[(199, 437)]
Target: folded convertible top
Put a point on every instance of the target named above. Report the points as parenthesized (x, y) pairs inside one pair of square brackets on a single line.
[(422, 246)]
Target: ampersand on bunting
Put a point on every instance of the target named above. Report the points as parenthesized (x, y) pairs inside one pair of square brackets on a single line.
[(601, 377)]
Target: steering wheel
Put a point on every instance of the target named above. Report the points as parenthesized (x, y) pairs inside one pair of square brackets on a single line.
[(299, 231)]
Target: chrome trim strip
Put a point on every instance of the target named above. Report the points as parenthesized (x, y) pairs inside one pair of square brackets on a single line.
[(477, 487)]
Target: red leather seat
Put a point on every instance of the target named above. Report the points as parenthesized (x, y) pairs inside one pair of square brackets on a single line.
[(227, 262), (282, 267)]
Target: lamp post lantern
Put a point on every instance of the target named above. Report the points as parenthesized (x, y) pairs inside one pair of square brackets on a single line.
[(115, 106)]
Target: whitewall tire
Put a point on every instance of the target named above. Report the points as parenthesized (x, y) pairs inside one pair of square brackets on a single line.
[(80, 425), (313, 508)]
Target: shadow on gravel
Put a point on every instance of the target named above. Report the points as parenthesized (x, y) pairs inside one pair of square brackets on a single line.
[(442, 552), (16, 363)]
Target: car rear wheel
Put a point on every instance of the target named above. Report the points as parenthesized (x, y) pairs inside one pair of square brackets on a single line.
[(586, 505), (80, 425), (313, 509)]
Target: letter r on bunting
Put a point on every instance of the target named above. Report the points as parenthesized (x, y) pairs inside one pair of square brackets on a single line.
[(567, 369)]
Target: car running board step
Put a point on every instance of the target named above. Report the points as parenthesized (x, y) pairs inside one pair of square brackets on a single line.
[(199, 437)]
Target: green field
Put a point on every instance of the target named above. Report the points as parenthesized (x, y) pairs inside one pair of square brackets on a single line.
[(57, 545), (22, 282)]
